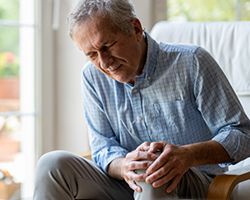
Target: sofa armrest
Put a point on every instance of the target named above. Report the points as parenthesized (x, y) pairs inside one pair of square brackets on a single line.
[(223, 185)]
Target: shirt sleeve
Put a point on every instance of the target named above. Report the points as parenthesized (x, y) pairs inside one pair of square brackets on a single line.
[(103, 143), (220, 107)]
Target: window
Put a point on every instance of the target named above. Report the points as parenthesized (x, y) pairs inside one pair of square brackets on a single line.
[(212, 10), (17, 102)]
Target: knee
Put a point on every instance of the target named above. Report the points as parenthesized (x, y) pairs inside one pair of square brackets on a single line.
[(148, 192), (54, 161)]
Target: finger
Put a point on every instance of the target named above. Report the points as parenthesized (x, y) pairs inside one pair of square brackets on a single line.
[(136, 177), (174, 184), (138, 165), (131, 178), (157, 164), (137, 155), (144, 146), (156, 146), (141, 155), (134, 186), (163, 171), (162, 159), (164, 179)]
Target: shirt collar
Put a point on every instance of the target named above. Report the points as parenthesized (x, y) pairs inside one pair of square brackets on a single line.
[(151, 59)]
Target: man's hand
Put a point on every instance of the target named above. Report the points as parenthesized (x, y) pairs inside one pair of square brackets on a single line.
[(169, 167), (135, 160), (166, 163), (124, 168)]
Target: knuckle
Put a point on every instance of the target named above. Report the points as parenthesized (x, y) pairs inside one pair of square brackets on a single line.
[(137, 155), (153, 144), (160, 173), (131, 166), (145, 143), (145, 164), (143, 146), (128, 155)]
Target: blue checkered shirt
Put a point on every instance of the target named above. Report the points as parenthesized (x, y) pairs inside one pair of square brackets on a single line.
[(181, 97)]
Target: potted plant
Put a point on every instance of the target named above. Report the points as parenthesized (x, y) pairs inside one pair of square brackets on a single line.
[(9, 101), (9, 76)]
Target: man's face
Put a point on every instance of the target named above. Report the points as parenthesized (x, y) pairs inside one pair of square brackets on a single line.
[(120, 56)]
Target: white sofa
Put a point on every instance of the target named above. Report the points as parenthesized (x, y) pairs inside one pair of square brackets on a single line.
[(229, 44)]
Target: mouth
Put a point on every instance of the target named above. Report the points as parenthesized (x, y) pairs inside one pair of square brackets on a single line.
[(113, 68)]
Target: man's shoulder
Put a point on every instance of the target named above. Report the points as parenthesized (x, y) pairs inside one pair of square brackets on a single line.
[(179, 48), (94, 77), (89, 70)]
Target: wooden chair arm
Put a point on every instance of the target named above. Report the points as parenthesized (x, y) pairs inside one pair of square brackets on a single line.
[(222, 186), (87, 155)]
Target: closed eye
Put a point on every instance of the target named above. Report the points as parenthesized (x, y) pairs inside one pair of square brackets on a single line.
[(104, 49), (92, 55), (107, 47)]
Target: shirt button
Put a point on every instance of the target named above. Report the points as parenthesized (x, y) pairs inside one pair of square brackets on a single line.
[(139, 119), (134, 91)]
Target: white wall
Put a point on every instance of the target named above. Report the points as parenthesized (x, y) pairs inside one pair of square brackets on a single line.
[(60, 124), (149, 12), (70, 129), (143, 11)]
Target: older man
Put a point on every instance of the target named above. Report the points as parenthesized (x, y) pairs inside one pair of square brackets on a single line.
[(160, 117)]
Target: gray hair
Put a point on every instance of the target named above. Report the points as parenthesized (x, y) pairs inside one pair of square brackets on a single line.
[(120, 12)]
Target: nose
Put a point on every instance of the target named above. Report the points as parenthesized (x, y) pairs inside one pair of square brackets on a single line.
[(105, 60)]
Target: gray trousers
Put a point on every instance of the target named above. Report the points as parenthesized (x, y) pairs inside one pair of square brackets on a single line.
[(61, 175)]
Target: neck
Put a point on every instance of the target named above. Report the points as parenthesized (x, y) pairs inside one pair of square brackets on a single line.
[(144, 55)]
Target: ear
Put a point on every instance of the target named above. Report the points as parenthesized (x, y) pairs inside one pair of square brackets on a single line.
[(137, 28)]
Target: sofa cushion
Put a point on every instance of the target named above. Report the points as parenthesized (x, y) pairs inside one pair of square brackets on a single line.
[(228, 43)]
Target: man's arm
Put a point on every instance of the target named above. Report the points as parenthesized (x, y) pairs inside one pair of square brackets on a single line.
[(209, 152), (219, 106), (115, 168)]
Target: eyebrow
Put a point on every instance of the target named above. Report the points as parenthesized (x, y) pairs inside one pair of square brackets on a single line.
[(101, 46)]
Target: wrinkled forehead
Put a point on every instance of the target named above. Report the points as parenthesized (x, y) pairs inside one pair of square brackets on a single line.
[(92, 33)]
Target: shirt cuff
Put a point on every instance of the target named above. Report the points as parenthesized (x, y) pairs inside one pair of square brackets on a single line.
[(104, 157), (232, 141)]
